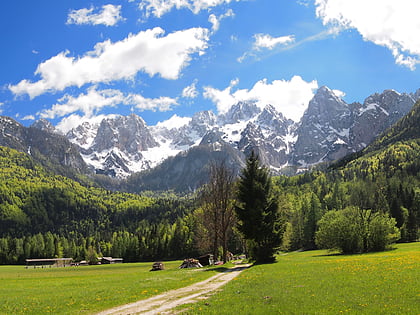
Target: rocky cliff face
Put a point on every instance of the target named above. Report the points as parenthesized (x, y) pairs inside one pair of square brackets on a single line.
[(331, 129), (44, 145), (377, 113)]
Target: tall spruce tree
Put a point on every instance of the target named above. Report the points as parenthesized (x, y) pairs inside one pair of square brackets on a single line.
[(257, 209)]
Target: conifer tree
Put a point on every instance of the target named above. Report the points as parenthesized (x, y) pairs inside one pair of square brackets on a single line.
[(257, 210)]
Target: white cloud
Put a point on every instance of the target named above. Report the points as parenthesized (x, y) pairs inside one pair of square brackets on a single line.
[(269, 42), (160, 7), (1, 110), (215, 20), (190, 91), (148, 51), (163, 103), (174, 122), (289, 97), (222, 98), (339, 93), (89, 103), (266, 41), (74, 120), (29, 117), (109, 16), (389, 23), (95, 100)]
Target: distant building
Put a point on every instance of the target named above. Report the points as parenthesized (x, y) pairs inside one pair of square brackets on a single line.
[(110, 260), (49, 262)]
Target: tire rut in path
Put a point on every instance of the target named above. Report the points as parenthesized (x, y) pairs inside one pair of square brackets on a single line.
[(168, 300)]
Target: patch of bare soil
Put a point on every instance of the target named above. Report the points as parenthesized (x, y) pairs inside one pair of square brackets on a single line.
[(163, 303)]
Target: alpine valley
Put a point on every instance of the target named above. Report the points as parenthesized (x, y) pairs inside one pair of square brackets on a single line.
[(174, 154)]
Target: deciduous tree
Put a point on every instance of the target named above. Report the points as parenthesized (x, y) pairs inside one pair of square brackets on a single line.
[(218, 213)]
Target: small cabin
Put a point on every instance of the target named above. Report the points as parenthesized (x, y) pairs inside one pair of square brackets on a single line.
[(111, 260)]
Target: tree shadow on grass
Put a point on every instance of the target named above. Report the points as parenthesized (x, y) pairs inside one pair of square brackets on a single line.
[(332, 254), (226, 269)]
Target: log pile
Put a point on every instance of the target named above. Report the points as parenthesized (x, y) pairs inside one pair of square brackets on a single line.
[(190, 263)]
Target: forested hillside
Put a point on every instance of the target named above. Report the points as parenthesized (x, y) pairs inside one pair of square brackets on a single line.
[(384, 178), (44, 215)]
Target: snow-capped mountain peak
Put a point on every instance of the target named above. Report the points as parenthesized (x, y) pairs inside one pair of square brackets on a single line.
[(329, 129)]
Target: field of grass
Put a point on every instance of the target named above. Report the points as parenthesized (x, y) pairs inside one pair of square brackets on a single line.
[(316, 282), (86, 290), (313, 282)]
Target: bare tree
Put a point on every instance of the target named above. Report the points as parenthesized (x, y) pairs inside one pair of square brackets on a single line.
[(218, 207)]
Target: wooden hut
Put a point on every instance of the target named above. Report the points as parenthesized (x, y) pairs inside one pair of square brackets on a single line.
[(110, 260)]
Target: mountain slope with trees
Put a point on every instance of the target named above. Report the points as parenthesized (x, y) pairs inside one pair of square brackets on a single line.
[(44, 215), (384, 178)]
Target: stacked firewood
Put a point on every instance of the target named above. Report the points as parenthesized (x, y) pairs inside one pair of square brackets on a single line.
[(190, 263)]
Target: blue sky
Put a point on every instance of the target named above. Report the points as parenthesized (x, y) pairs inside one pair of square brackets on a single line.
[(72, 60)]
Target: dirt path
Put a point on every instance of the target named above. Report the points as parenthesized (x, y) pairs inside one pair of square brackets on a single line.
[(162, 303)]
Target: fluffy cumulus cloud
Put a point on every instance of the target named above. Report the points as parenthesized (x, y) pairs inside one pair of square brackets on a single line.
[(148, 51), (289, 97), (160, 7), (389, 23), (94, 100), (110, 15)]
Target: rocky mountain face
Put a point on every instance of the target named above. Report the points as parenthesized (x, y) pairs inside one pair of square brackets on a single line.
[(41, 141), (330, 129), (115, 146)]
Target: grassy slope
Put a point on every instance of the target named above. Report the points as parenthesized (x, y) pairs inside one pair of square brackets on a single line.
[(86, 290), (316, 282)]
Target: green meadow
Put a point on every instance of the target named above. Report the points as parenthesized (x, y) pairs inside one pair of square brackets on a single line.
[(88, 289), (312, 282), (318, 282)]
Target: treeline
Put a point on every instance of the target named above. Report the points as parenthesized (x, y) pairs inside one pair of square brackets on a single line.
[(386, 182), (150, 241), (43, 215)]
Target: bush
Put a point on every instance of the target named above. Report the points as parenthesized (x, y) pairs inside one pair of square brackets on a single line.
[(354, 230)]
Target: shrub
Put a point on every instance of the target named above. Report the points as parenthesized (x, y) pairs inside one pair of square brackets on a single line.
[(354, 230)]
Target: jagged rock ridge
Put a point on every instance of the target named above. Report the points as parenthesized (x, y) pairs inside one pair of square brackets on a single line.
[(329, 129)]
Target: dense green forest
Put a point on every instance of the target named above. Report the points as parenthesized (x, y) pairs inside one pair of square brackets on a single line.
[(386, 181), (43, 215)]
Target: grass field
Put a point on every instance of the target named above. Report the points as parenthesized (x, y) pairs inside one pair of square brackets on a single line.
[(316, 282), (313, 282), (85, 290)]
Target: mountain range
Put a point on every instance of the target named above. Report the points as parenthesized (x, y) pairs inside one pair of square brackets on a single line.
[(175, 155)]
